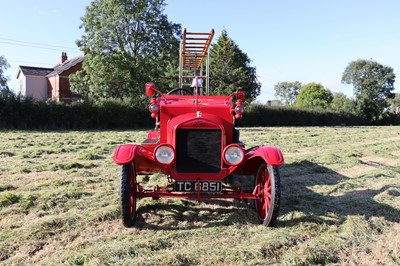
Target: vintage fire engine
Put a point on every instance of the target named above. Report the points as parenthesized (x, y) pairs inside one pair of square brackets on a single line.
[(196, 145)]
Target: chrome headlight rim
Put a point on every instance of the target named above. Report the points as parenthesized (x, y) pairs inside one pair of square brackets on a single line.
[(164, 154), (239, 109), (240, 154), (154, 108)]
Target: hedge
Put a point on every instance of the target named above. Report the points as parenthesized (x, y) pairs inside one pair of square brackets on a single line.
[(26, 114), (17, 113), (260, 115)]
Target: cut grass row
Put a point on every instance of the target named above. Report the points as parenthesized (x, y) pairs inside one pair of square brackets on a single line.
[(59, 203)]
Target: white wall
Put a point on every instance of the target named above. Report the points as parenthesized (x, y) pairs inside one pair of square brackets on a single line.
[(21, 85), (36, 87)]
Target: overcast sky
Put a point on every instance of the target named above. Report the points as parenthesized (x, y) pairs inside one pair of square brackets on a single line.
[(304, 40)]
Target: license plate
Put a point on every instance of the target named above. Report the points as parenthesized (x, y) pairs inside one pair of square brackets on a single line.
[(192, 186)]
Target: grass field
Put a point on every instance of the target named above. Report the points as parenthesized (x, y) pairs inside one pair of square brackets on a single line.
[(59, 204)]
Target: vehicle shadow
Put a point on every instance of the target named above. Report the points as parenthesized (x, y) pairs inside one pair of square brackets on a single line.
[(309, 193), (338, 196), (193, 215)]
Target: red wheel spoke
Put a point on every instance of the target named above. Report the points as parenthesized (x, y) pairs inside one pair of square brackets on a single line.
[(268, 196)]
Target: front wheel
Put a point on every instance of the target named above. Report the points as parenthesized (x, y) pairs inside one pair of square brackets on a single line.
[(268, 192), (128, 194)]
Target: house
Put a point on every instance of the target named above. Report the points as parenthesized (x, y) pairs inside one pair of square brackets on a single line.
[(33, 82), (50, 83)]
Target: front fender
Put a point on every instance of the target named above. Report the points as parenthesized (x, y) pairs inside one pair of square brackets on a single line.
[(253, 156), (272, 155), (124, 154), (144, 161)]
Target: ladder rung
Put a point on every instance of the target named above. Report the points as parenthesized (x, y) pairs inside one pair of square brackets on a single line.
[(200, 39), (192, 55), (190, 77), (194, 47), (198, 33), (197, 43)]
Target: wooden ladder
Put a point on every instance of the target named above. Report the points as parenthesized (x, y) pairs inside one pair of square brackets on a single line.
[(194, 49)]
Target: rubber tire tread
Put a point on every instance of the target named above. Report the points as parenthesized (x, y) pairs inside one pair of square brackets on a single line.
[(127, 219)]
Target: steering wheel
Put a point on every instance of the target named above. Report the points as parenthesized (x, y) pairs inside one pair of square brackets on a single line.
[(180, 90)]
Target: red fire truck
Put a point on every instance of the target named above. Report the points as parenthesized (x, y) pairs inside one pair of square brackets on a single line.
[(196, 145)]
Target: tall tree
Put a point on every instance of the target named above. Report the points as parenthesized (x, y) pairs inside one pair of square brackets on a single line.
[(341, 103), (3, 79), (286, 91), (373, 84), (314, 95), (230, 69), (126, 43)]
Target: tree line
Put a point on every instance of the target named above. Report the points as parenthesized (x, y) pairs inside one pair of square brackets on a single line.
[(373, 97)]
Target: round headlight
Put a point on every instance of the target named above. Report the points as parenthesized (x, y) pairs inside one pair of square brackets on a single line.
[(239, 109), (154, 108), (164, 154), (233, 154)]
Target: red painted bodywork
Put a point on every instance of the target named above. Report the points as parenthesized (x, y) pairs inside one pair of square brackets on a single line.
[(193, 112), (216, 112)]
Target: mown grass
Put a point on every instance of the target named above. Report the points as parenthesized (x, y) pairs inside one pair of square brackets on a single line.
[(59, 204)]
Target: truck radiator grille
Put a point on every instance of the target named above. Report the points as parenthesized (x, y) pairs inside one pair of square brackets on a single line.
[(198, 151)]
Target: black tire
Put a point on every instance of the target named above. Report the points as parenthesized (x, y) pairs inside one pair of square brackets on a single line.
[(180, 91), (267, 206), (128, 194)]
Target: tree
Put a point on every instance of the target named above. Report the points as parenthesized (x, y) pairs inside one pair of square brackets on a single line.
[(341, 103), (373, 84), (314, 95), (126, 43), (3, 79), (394, 103), (230, 69), (287, 91)]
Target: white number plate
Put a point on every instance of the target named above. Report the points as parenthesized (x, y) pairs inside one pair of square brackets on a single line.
[(192, 186)]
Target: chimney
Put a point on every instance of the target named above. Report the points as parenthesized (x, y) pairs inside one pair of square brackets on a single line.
[(64, 57)]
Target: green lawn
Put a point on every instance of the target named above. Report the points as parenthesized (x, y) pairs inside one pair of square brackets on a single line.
[(59, 203)]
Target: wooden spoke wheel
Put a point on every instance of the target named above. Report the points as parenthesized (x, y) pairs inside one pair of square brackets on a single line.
[(267, 183)]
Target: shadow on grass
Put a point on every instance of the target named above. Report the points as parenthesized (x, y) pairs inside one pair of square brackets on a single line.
[(192, 215), (341, 197)]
